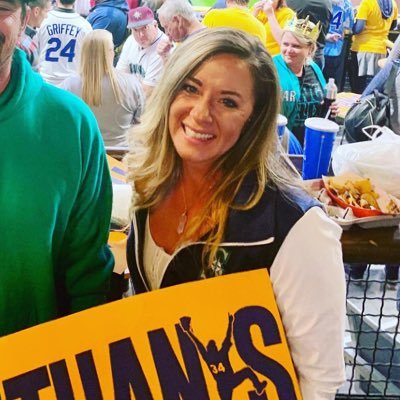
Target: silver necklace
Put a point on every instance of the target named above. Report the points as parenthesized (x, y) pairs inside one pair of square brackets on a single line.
[(183, 217)]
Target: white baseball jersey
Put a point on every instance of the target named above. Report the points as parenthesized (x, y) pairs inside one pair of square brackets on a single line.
[(145, 63), (59, 40)]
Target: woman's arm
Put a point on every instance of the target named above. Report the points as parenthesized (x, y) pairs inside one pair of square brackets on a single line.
[(307, 276), (276, 30), (257, 7)]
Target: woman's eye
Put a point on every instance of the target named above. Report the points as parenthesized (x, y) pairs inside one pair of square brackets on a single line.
[(229, 103), (188, 88)]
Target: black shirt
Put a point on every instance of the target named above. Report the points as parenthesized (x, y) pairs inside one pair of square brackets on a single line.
[(309, 104)]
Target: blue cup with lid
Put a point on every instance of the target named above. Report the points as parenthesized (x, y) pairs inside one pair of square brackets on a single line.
[(319, 138)]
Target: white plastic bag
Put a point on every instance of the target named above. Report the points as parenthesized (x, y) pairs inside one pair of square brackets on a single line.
[(377, 159)]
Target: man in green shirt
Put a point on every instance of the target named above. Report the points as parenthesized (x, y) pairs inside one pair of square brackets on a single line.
[(55, 193)]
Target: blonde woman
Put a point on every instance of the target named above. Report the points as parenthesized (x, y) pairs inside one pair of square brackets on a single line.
[(116, 98), (301, 80), (213, 196), (274, 14)]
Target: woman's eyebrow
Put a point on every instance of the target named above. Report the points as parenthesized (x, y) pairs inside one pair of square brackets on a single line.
[(231, 93), (195, 80), (226, 92)]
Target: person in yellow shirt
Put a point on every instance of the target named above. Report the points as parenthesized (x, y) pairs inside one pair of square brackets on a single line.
[(273, 14), (374, 19), (236, 15)]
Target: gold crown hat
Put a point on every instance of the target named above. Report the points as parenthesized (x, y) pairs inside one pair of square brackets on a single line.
[(303, 27)]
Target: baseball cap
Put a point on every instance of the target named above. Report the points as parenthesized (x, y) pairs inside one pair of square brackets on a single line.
[(140, 16)]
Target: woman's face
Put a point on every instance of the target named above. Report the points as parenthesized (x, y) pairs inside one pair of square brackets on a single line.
[(293, 52), (207, 116)]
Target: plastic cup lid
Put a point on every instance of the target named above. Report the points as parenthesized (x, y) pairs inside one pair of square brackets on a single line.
[(321, 124), (282, 120)]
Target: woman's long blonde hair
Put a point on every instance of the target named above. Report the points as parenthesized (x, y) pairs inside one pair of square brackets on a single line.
[(156, 167), (95, 63)]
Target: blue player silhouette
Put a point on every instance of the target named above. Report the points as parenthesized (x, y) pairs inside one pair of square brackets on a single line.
[(218, 362)]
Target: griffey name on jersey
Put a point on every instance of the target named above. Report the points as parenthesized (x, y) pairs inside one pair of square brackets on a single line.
[(58, 29)]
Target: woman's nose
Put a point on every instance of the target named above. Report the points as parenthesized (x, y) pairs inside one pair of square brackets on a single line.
[(201, 110)]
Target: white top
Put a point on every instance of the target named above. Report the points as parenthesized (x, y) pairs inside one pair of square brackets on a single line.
[(59, 40), (114, 119), (155, 259), (308, 280), (145, 63)]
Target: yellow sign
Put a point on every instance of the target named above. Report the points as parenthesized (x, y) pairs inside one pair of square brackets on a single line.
[(219, 338)]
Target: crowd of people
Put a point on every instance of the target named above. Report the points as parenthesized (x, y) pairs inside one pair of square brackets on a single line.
[(145, 34), (201, 96)]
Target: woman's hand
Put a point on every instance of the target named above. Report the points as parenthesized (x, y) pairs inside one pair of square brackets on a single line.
[(258, 6), (269, 8), (334, 109)]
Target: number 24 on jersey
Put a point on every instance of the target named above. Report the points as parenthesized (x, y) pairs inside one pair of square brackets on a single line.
[(57, 50)]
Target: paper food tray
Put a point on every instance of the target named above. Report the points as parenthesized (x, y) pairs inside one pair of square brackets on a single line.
[(345, 217)]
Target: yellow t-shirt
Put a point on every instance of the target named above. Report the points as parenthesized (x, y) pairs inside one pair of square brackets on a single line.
[(235, 18), (372, 38), (282, 15)]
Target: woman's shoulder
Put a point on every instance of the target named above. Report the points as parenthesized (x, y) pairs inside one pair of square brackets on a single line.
[(72, 83), (281, 196), (317, 70), (131, 89), (276, 212), (278, 60), (292, 197), (126, 81)]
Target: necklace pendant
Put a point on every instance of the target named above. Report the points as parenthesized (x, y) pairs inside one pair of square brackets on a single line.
[(181, 223)]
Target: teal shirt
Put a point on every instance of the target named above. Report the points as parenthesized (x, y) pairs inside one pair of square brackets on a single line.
[(55, 203), (290, 87)]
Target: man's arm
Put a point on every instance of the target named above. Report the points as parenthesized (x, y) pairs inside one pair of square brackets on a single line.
[(85, 261)]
